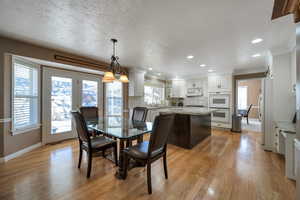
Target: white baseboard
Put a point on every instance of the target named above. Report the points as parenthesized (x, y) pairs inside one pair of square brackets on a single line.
[(19, 153)]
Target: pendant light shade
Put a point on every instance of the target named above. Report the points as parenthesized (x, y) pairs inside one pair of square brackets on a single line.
[(108, 77), (115, 72), (124, 78)]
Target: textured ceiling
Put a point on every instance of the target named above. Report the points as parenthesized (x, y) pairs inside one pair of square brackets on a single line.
[(152, 33)]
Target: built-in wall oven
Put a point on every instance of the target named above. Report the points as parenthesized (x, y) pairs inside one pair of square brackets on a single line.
[(220, 105), (218, 100), (221, 115)]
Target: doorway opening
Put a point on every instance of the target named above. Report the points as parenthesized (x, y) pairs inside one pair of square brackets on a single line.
[(249, 103)]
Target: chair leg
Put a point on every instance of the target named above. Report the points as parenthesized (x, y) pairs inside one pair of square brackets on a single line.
[(89, 164), (116, 154), (125, 164), (80, 156), (247, 120), (165, 166), (149, 177)]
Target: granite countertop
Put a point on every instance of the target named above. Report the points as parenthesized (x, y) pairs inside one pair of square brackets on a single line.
[(188, 111), (286, 126), (159, 107)]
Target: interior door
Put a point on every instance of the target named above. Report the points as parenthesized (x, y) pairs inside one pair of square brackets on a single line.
[(64, 91)]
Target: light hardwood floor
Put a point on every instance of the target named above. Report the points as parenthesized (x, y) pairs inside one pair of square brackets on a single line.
[(224, 166)]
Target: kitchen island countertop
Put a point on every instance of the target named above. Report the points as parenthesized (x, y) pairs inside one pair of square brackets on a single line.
[(188, 111)]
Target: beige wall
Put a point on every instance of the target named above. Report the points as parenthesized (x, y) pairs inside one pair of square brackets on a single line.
[(254, 89), (8, 143), (1, 103)]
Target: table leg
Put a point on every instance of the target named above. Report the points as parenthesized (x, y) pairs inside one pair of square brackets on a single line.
[(140, 139), (120, 172)]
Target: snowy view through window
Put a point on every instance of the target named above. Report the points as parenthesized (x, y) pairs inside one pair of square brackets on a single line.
[(154, 95), (114, 103), (89, 93), (61, 105)]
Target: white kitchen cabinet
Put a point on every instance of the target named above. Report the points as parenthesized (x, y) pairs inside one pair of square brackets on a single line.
[(136, 83), (289, 154), (178, 89), (220, 83)]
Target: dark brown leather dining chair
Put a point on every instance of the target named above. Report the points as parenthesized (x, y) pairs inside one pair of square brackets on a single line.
[(245, 113), (149, 151), (90, 113), (139, 114), (91, 145)]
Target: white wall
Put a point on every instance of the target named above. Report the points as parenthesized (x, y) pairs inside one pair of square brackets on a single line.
[(284, 101)]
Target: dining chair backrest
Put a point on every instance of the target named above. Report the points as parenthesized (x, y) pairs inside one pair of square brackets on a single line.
[(139, 114), (89, 113), (162, 126), (81, 127), (248, 111)]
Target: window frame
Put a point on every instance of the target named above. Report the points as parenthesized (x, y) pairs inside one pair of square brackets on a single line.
[(24, 129), (107, 97), (159, 87)]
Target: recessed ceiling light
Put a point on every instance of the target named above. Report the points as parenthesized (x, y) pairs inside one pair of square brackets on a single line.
[(256, 40), (159, 74), (203, 65), (190, 57), (210, 70), (150, 68), (256, 55)]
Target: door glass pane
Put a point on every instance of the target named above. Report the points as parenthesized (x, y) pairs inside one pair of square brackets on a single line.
[(61, 104), (89, 93)]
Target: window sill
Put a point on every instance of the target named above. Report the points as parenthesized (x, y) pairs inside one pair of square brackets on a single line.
[(25, 130)]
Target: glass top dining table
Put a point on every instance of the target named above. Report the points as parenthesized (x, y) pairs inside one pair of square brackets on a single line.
[(124, 129), (119, 127)]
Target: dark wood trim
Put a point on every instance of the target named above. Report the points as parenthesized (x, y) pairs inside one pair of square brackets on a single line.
[(71, 70), (244, 77), (125, 100), (85, 62), (285, 7), (249, 76)]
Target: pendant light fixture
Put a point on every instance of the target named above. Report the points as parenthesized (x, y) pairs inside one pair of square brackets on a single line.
[(115, 71)]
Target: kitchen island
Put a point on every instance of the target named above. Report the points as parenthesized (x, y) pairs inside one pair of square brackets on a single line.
[(191, 126)]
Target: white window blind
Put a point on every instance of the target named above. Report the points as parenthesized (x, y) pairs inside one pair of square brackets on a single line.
[(25, 95)]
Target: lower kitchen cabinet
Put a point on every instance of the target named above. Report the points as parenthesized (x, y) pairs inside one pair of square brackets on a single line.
[(284, 142), (289, 155)]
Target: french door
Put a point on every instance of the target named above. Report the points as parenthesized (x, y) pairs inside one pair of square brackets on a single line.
[(64, 91)]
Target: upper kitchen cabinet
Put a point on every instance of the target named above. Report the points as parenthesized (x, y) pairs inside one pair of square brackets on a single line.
[(178, 89), (136, 84), (220, 83)]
